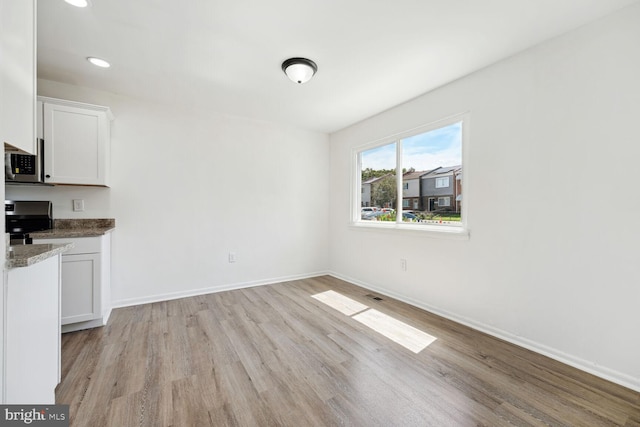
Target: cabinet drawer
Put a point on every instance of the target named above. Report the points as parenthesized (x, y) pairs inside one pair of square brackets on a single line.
[(82, 245)]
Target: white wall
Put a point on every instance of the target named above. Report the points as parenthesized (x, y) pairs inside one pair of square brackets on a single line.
[(552, 261), (189, 187)]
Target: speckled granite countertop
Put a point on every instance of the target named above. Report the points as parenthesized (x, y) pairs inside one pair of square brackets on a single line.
[(69, 228), (26, 255)]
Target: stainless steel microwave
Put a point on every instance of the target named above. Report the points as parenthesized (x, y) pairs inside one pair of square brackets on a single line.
[(25, 167)]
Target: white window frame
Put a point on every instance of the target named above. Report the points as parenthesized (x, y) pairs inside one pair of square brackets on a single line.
[(405, 202), (440, 231), (440, 180), (447, 199)]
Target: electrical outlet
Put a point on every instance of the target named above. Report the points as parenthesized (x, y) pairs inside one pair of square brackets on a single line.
[(232, 257), (78, 205), (403, 264)]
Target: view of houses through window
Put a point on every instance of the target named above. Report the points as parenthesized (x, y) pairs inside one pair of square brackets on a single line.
[(430, 180)]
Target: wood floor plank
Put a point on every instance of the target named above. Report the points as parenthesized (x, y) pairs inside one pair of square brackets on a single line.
[(276, 356)]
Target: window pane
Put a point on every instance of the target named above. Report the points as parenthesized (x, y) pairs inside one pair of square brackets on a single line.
[(432, 175), (442, 182), (443, 202), (379, 188)]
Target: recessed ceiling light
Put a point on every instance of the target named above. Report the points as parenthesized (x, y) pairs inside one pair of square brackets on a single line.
[(78, 3), (99, 62)]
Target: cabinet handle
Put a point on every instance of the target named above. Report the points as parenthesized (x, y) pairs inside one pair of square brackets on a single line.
[(47, 176)]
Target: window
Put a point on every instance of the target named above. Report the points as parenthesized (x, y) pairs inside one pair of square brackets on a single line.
[(442, 182), (443, 202), (428, 152), (378, 171)]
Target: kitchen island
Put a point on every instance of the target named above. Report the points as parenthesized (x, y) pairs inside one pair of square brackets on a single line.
[(27, 255), (31, 318)]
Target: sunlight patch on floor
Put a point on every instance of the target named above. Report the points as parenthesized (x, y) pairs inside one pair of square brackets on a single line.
[(407, 336), (336, 300)]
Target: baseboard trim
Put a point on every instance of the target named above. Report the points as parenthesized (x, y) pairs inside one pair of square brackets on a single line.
[(79, 326), (88, 324), (210, 290), (105, 315), (576, 362)]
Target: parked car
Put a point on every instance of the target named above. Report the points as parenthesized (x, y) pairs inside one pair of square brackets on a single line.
[(408, 216), (372, 215), (369, 209)]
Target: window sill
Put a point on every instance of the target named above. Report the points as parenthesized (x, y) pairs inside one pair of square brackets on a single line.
[(434, 231)]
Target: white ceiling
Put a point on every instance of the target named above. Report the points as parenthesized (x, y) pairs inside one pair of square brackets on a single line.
[(225, 55)]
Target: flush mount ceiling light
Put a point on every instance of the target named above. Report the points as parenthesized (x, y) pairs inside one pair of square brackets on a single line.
[(299, 70), (78, 3), (98, 62)]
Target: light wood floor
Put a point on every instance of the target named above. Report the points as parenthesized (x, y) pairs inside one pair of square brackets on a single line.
[(273, 355)]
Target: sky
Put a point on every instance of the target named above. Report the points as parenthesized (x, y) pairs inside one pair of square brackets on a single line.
[(425, 151)]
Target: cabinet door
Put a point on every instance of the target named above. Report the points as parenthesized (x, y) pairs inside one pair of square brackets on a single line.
[(76, 145), (80, 288), (18, 74)]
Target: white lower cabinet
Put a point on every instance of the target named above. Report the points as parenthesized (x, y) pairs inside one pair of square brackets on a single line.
[(32, 333), (86, 290), (81, 288)]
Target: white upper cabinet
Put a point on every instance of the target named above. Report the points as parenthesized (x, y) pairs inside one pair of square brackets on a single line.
[(76, 142), (18, 75)]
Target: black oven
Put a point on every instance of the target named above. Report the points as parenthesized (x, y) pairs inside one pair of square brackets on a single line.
[(23, 217)]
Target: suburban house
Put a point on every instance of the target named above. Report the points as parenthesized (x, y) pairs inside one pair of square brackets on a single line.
[(246, 289), (458, 191), (367, 187), (440, 189), (411, 190)]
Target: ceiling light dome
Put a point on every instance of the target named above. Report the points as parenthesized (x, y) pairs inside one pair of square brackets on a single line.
[(78, 3), (98, 62), (299, 70)]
